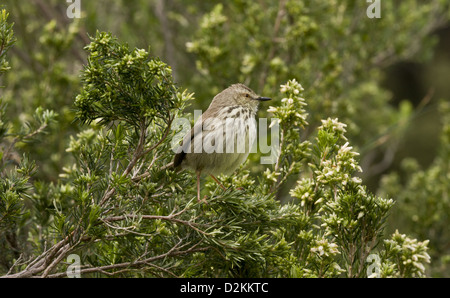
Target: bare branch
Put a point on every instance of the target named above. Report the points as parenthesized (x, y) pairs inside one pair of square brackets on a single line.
[(171, 217), (127, 266)]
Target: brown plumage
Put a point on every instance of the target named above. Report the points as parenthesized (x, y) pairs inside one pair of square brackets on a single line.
[(221, 138)]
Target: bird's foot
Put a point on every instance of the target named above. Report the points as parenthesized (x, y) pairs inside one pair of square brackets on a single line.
[(202, 200)]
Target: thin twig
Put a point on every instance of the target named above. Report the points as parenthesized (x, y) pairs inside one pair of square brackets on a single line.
[(173, 252), (166, 133), (157, 217), (21, 138)]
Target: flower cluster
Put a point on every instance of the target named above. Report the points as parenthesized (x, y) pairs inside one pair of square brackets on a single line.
[(339, 169), (337, 162), (304, 191), (323, 254), (292, 106), (271, 175), (409, 255), (291, 117), (323, 248), (335, 127)]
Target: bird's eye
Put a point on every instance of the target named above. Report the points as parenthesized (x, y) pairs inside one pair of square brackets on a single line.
[(247, 95)]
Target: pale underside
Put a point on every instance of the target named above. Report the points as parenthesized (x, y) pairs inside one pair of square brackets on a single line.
[(218, 145)]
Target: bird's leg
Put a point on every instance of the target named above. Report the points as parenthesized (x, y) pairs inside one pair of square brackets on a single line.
[(218, 182), (198, 189)]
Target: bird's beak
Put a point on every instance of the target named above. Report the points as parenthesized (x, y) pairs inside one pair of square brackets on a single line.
[(263, 98)]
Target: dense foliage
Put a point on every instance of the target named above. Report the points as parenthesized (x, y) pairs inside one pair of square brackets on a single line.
[(87, 121)]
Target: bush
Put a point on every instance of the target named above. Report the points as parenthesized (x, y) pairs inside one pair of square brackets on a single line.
[(125, 214), (84, 164)]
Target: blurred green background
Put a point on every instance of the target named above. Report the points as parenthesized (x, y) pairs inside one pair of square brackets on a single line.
[(387, 78)]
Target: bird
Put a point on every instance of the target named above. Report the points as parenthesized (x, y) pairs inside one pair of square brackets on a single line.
[(222, 136)]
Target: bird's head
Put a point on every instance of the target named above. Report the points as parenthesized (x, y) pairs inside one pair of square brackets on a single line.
[(238, 94)]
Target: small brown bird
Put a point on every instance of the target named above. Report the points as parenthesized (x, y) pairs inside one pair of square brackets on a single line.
[(221, 138)]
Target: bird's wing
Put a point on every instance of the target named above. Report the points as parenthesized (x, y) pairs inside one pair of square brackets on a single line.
[(187, 140), (181, 154)]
